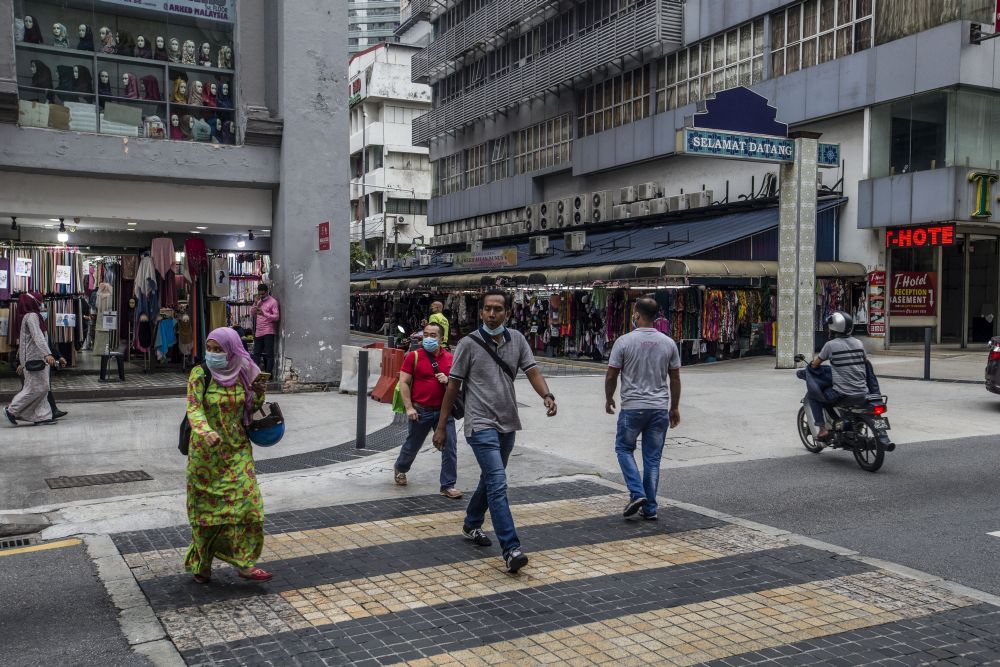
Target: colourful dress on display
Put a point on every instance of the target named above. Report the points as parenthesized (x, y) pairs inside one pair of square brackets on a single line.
[(224, 504)]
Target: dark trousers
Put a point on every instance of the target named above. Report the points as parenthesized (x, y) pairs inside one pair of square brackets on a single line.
[(417, 434), (263, 352)]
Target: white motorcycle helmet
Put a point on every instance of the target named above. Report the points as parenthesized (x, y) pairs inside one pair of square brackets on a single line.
[(840, 322)]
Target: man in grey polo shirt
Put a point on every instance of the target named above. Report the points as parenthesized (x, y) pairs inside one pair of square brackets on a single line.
[(486, 363), (650, 368)]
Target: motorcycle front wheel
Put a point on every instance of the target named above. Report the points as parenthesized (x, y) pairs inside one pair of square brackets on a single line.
[(805, 433), (868, 451)]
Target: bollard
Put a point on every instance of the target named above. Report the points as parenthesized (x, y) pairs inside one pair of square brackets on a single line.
[(927, 352), (359, 438)]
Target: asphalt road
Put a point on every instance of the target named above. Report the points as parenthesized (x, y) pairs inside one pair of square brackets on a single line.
[(55, 611), (930, 507)]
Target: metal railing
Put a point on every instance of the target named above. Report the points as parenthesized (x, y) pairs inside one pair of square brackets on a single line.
[(659, 24)]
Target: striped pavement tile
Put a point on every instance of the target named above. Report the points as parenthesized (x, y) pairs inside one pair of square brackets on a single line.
[(391, 582)]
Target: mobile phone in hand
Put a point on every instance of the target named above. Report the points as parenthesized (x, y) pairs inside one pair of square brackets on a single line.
[(263, 378)]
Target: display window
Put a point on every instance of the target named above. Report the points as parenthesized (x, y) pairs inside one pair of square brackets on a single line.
[(134, 68)]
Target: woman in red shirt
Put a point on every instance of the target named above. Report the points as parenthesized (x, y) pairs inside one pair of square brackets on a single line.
[(422, 383)]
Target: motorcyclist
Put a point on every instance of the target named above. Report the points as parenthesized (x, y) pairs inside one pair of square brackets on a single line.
[(848, 369)]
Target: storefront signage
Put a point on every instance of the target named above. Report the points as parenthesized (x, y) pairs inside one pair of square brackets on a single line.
[(497, 258), (920, 237), (323, 241), (355, 92), (63, 274), (372, 284), (22, 267), (3, 278), (876, 304), (914, 294), (217, 10), (756, 147), (984, 181)]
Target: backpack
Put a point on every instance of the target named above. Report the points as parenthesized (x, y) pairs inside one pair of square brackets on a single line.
[(184, 440)]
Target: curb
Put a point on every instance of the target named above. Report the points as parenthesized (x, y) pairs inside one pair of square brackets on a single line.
[(142, 629), (889, 566)]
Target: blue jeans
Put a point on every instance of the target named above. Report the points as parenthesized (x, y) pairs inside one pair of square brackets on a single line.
[(492, 449), (652, 425), (415, 437)]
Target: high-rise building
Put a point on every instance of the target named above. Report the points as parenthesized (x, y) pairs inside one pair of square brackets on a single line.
[(371, 22)]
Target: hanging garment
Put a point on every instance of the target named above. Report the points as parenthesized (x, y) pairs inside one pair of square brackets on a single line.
[(130, 265), (220, 277), (5, 279), (145, 277), (197, 255), (162, 252)]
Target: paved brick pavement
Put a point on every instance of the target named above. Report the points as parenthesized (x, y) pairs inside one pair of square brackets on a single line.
[(391, 582)]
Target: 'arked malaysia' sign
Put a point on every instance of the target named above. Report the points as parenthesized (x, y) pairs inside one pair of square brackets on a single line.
[(217, 10), (757, 147)]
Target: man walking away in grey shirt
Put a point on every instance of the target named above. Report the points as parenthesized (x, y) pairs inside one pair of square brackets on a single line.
[(649, 364), (486, 363)]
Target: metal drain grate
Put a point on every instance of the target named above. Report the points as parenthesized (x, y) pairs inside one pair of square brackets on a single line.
[(16, 542), (121, 477)]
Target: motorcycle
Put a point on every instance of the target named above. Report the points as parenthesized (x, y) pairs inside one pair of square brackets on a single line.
[(858, 425)]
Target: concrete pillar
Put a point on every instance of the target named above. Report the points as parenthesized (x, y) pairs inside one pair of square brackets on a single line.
[(312, 286), (797, 251)]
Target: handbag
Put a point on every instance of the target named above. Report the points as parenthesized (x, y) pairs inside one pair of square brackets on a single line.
[(458, 407), (184, 438), (397, 397), (35, 365)]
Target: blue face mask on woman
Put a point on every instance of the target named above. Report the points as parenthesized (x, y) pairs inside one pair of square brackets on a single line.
[(430, 344), (216, 360)]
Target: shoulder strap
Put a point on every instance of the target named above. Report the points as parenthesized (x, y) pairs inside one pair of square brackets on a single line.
[(208, 380), (496, 357)]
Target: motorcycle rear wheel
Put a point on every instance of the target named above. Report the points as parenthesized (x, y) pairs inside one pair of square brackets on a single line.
[(805, 433), (868, 451)]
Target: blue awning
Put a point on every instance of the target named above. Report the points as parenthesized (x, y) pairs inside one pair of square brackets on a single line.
[(632, 245)]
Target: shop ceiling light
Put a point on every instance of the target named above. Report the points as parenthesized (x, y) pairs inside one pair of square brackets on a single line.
[(240, 243), (53, 219), (201, 227), (62, 237), (13, 222), (250, 236), (132, 224)]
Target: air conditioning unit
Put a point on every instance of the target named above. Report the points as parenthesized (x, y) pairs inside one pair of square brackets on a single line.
[(582, 207), (465, 237), (547, 215), (425, 260), (575, 241), (505, 229), (475, 245), (539, 245), (517, 227), (677, 203), (481, 222), (603, 207), (639, 209), (503, 217), (627, 195), (531, 215), (447, 257), (700, 199), (649, 190), (491, 219), (492, 232), (620, 212), (564, 212), (658, 206)]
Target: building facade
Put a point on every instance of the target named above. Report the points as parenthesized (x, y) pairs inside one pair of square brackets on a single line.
[(371, 22), (541, 108), (191, 121), (390, 176)]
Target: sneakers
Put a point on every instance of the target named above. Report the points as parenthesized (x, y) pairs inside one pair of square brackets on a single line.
[(477, 536), (59, 414), (633, 507), (648, 517), (452, 493), (10, 417), (515, 560), (400, 478)]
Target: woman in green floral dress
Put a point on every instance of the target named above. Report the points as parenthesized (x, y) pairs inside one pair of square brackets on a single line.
[(224, 505)]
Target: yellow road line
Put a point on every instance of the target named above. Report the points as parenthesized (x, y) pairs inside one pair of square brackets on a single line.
[(41, 547)]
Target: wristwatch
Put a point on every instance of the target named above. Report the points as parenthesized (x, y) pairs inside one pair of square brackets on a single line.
[(548, 396)]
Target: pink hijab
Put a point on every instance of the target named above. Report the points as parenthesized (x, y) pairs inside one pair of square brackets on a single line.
[(241, 367)]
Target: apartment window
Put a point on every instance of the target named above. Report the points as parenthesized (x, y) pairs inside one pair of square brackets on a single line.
[(498, 159), (593, 14), (411, 161), (613, 102), (543, 145), (728, 60), (406, 206), (475, 166), (399, 115), (449, 174), (817, 31)]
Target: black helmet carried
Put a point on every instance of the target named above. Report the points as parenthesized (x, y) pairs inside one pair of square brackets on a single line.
[(840, 322)]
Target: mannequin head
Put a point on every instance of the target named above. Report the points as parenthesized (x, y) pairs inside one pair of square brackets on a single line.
[(140, 42), (82, 31), (105, 77), (213, 90), (190, 122), (182, 88), (225, 90), (34, 68), (76, 72), (125, 80), (199, 87), (225, 57), (189, 48), (206, 50), (175, 44), (104, 33), (218, 125), (159, 42), (29, 22), (174, 120), (60, 33)]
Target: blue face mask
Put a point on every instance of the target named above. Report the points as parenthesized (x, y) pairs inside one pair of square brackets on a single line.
[(216, 360), (495, 332), (430, 344)]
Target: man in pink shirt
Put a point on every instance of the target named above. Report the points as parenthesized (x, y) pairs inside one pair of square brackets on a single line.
[(265, 310)]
